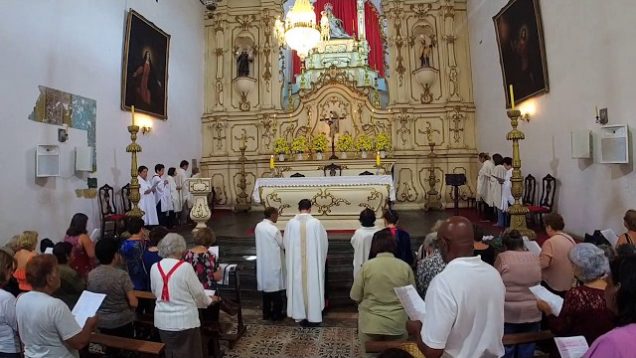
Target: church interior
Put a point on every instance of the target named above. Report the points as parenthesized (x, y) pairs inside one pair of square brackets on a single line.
[(380, 105)]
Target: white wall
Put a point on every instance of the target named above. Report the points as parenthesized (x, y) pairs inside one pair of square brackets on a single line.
[(76, 46), (590, 55)]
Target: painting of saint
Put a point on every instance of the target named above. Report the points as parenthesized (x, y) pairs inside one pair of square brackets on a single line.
[(145, 68), (521, 50)]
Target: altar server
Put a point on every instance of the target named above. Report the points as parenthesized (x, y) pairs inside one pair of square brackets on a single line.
[(506, 194), (270, 268), (181, 180), (147, 201), (497, 178), (484, 176), (306, 245), (163, 197)]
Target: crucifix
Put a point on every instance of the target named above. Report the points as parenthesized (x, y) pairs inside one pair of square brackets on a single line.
[(334, 126)]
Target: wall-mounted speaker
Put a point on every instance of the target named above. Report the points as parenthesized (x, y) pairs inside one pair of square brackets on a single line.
[(614, 142)]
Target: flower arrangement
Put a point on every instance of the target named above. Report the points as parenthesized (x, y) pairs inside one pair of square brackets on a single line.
[(382, 142), (344, 143), (299, 145), (363, 143), (281, 146), (319, 143)]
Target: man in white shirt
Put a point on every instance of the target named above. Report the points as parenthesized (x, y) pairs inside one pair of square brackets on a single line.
[(270, 270), (182, 188), (464, 303), (306, 246)]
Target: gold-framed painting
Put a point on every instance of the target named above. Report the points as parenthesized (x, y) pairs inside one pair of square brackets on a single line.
[(521, 49), (145, 67)]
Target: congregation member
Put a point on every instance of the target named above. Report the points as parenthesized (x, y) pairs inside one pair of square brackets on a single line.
[(620, 297), (205, 264), (584, 312), (431, 265), (46, 325), (306, 245), (26, 251), (469, 293), (10, 248), (556, 270), (625, 250), (147, 202), (117, 312), (181, 180), (482, 249), (361, 239), (83, 254), (179, 296), (506, 194), (132, 250), (381, 316), (426, 250), (71, 283), (174, 195), (9, 341), (403, 249), (629, 220), (520, 270), (151, 255), (497, 177), (483, 178), (45, 244), (163, 197), (270, 265)]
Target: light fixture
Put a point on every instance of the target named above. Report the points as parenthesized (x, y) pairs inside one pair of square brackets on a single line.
[(527, 109), (62, 133), (145, 125), (299, 30)]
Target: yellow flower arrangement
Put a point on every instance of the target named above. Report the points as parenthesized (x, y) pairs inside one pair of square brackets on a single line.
[(299, 145), (281, 146), (382, 142), (344, 143), (319, 143), (364, 143)]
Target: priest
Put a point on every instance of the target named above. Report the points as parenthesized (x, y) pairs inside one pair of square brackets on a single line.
[(306, 245), (270, 268), (147, 201)]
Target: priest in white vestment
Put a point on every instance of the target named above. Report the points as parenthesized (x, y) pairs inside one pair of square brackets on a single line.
[(181, 179), (506, 194), (270, 265), (147, 198), (362, 238), (306, 245)]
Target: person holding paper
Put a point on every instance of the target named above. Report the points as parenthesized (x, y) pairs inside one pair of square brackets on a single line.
[(46, 325), (361, 239), (469, 293), (381, 316), (584, 312), (620, 297), (147, 202), (519, 270), (629, 220), (556, 269), (270, 265), (163, 198)]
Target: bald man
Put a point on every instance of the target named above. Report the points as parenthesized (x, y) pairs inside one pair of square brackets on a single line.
[(464, 303)]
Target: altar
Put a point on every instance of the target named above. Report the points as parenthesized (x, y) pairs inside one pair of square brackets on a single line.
[(337, 201)]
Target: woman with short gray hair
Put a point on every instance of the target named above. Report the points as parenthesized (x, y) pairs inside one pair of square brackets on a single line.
[(179, 296), (584, 312)]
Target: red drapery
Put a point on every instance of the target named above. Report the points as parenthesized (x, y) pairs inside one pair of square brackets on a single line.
[(347, 11)]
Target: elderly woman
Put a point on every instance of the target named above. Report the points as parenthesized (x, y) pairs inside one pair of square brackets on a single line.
[(25, 251), (429, 266), (9, 341), (629, 220), (361, 239), (584, 312), (519, 269), (179, 296), (46, 325), (380, 313), (620, 296)]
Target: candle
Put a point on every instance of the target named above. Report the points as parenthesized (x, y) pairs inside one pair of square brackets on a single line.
[(377, 159), (272, 165), (132, 110), (512, 97)]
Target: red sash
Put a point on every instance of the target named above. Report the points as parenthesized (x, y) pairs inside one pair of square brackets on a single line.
[(165, 293)]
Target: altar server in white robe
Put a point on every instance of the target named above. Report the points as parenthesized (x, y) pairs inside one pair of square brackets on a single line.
[(163, 196), (174, 196), (483, 178), (147, 197), (362, 238), (181, 180), (497, 178), (306, 246), (270, 265), (506, 193)]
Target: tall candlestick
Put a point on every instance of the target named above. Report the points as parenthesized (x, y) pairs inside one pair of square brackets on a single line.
[(272, 164), (132, 110), (512, 96)]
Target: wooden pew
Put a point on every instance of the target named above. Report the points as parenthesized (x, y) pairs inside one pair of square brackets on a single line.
[(144, 295), (144, 348)]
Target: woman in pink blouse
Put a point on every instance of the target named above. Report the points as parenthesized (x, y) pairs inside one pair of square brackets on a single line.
[(519, 270)]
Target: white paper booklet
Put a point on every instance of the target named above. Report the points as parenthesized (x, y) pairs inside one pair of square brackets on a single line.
[(532, 246), (611, 236), (571, 347), (210, 293), (214, 250), (412, 302), (87, 306), (48, 251), (555, 302)]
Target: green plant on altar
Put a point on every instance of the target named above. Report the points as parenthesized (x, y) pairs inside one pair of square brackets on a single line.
[(319, 143), (299, 145), (364, 143), (344, 143), (382, 142), (281, 146)]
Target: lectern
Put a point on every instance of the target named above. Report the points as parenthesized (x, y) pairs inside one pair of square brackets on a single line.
[(456, 180)]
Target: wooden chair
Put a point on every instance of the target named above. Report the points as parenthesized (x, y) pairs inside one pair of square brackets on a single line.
[(296, 175), (126, 205), (333, 168), (231, 286), (529, 190), (143, 348), (548, 190), (108, 210)]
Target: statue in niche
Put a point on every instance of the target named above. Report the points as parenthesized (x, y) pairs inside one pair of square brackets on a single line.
[(336, 27), (243, 60), (425, 51)]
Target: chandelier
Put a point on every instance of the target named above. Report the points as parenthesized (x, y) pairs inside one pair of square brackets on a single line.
[(299, 30)]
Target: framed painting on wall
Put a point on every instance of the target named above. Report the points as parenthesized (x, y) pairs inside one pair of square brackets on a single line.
[(521, 49), (145, 67)]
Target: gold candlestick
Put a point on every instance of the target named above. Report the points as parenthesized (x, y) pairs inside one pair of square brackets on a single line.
[(433, 201), (133, 148), (517, 211)]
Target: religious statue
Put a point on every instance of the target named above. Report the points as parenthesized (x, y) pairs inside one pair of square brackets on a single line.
[(333, 121), (336, 27), (425, 51), (243, 60), (324, 27)]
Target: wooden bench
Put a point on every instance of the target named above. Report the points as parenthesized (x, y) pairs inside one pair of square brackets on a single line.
[(144, 295), (144, 348)]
